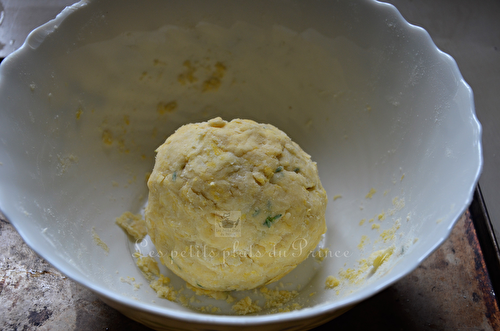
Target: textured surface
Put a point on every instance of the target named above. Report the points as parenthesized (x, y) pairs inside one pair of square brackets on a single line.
[(35, 296), (204, 172), (449, 291)]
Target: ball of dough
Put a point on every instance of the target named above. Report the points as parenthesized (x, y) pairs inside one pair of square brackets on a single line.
[(234, 205)]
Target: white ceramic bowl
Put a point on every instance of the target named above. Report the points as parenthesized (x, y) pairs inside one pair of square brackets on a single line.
[(368, 95)]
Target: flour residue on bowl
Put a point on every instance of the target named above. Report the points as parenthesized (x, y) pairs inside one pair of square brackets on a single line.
[(175, 75)]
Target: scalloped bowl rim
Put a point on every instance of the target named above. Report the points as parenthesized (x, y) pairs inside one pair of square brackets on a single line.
[(34, 39)]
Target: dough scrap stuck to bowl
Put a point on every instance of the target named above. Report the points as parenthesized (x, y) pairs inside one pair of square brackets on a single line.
[(234, 205)]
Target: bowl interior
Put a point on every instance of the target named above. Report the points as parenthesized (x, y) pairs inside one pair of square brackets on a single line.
[(90, 96)]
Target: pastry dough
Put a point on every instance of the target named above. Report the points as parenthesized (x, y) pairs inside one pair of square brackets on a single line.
[(233, 205)]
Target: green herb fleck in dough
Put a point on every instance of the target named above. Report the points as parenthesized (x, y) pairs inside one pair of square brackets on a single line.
[(279, 169), (269, 220), (171, 258)]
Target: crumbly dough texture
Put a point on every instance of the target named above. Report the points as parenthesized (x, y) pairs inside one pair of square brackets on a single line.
[(134, 225), (207, 168)]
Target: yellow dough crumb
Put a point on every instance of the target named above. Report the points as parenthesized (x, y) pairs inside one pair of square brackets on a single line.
[(163, 289), (338, 196), (362, 222), (371, 193), (98, 241), (364, 240), (353, 275), (246, 306), (377, 258), (183, 300), (127, 280), (220, 70), (164, 108), (321, 254), (365, 268), (277, 298), (398, 203), (390, 233), (147, 265), (134, 225), (214, 81), (209, 309), (188, 75), (107, 137), (375, 226), (79, 113), (331, 282)]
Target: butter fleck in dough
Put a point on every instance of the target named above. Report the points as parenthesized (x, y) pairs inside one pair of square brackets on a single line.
[(209, 168)]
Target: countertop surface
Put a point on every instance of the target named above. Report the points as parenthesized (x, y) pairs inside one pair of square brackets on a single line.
[(449, 291)]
